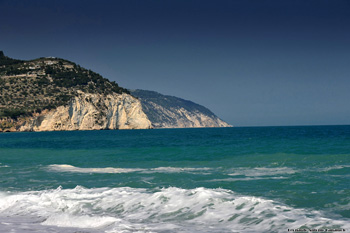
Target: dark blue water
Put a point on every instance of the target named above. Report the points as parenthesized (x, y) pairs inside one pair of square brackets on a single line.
[(255, 179)]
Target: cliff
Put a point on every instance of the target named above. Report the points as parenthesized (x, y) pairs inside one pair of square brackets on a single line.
[(91, 112), (50, 94), (172, 112)]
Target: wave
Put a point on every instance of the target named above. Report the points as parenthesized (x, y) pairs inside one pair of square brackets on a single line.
[(337, 167), (177, 169), (249, 173), (171, 209), (70, 168), (3, 165), (262, 171), (247, 179)]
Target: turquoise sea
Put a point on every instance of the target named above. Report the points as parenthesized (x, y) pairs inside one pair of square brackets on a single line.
[(244, 179)]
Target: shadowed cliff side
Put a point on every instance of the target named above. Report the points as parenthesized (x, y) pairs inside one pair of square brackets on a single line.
[(171, 112)]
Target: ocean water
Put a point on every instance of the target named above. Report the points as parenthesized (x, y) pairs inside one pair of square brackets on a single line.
[(253, 179)]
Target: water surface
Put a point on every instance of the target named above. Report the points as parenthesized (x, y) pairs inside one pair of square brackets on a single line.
[(254, 179)]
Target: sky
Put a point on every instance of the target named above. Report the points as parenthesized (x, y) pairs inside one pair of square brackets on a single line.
[(252, 62)]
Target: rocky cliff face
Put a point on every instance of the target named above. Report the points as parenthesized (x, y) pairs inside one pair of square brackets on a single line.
[(172, 112), (90, 112)]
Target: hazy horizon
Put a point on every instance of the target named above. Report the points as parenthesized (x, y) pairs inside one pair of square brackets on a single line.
[(253, 63)]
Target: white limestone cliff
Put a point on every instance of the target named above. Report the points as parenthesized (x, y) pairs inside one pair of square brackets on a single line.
[(91, 112)]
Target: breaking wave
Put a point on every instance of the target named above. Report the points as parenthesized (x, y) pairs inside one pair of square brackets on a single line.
[(159, 210), (262, 171), (70, 168)]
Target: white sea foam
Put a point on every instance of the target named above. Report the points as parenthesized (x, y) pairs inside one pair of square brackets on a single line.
[(262, 171), (85, 221), (165, 210), (337, 167), (177, 169), (249, 178), (70, 168)]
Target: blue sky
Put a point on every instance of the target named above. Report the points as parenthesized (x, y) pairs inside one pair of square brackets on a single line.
[(252, 62)]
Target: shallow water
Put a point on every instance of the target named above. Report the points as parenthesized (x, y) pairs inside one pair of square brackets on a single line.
[(256, 179)]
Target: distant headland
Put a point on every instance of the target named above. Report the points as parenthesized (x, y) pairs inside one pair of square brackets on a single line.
[(54, 94)]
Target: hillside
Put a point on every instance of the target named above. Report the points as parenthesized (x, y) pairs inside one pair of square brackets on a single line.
[(28, 87), (166, 111), (48, 94)]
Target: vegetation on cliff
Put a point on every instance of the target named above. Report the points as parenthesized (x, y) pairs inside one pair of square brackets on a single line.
[(29, 87)]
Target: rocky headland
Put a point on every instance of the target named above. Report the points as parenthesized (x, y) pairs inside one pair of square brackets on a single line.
[(53, 94)]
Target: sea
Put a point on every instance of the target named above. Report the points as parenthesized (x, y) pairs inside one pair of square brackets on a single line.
[(240, 179)]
